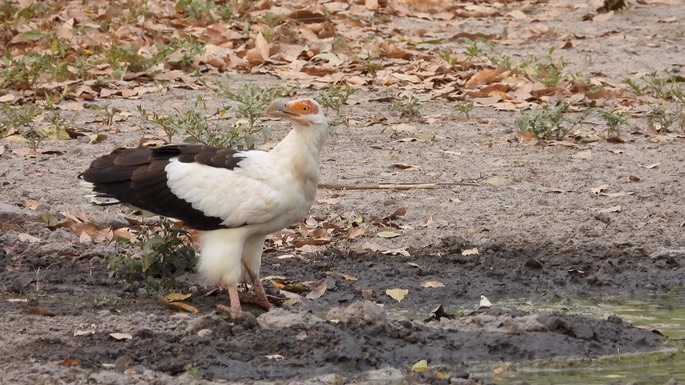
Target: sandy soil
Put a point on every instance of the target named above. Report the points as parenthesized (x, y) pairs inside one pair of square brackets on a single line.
[(548, 224)]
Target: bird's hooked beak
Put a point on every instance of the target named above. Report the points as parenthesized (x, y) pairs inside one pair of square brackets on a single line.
[(278, 109), (302, 112)]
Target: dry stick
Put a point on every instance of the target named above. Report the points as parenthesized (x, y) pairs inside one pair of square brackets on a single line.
[(393, 186)]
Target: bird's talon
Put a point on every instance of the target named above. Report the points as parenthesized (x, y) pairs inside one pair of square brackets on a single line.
[(256, 300), (235, 314)]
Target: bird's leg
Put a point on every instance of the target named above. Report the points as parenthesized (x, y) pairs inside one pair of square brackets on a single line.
[(234, 301), (259, 297)]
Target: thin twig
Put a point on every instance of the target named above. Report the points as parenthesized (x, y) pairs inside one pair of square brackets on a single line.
[(393, 186)]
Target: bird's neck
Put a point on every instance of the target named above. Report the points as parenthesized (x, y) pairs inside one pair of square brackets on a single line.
[(299, 154), (303, 141)]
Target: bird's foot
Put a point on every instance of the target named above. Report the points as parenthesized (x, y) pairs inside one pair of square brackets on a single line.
[(235, 313), (256, 299), (240, 317), (234, 309), (259, 297)]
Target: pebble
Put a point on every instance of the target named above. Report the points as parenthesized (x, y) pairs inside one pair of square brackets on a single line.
[(359, 314), (13, 214), (280, 318)]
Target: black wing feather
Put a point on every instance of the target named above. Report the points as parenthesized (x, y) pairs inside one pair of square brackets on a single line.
[(136, 176)]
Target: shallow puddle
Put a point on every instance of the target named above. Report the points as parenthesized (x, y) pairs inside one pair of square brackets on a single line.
[(663, 315)]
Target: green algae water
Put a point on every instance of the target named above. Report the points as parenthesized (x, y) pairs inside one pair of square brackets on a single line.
[(662, 315)]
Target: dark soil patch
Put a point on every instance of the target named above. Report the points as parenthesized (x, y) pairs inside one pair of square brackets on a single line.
[(338, 333)]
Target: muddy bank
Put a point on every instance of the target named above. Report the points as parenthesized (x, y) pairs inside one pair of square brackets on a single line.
[(338, 333)]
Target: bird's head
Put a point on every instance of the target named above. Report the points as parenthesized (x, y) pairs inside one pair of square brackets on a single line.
[(302, 112)]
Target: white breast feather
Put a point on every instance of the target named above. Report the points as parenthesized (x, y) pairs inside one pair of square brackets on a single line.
[(256, 192)]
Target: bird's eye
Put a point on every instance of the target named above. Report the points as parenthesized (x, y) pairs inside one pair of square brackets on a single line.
[(305, 108)]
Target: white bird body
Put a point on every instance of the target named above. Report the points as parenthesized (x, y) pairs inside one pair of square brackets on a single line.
[(236, 197)]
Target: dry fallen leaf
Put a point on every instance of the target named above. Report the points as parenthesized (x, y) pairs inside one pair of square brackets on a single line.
[(39, 310), (294, 287), (612, 209), (493, 180), (356, 232), (32, 203), (438, 313), (87, 332), (616, 194), (600, 189), (348, 277), (432, 284), (25, 237), (400, 251), (121, 336), (397, 294), (174, 296), (405, 166), (587, 155), (388, 234), (551, 190), (69, 362), (177, 305), (498, 370), (317, 292), (370, 246), (472, 251), (420, 366), (367, 293)]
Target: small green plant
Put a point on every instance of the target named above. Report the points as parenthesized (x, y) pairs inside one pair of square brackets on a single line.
[(251, 102), (33, 135), (227, 11), (473, 49), (195, 9), (199, 125), (196, 124), (636, 88), (614, 121), (21, 119), (133, 10), (450, 58), (661, 118), (465, 108), (181, 53), (58, 125), (656, 85), (165, 252), (501, 60), (550, 122), (408, 107), (371, 63), (337, 96), (547, 70), (52, 99), (124, 58), (106, 111), (668, 86), (167, 123), (31, 69)]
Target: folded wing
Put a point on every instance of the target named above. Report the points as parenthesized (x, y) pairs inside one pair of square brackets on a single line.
[(208, 188)]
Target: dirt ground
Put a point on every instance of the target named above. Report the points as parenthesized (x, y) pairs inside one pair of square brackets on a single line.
[(513, 221)]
